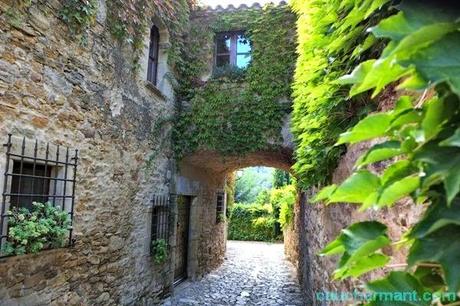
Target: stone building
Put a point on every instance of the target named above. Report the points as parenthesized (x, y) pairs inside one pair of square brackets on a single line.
[(92, 136)]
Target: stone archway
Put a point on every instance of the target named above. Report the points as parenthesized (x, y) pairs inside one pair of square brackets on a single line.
[(202, 175)]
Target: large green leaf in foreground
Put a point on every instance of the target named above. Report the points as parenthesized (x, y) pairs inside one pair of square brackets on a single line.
[(397, 290), (359, 245)]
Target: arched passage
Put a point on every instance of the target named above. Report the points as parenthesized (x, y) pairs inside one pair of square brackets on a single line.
[(203, 176)]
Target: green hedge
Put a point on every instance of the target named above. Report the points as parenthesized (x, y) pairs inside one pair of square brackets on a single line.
[(261, 220), (252, 222)]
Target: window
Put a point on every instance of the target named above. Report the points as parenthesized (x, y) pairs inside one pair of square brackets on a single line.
[(152, 69), (160, 217), (220, 207), (29, 183), (33, 173), (232, 49)]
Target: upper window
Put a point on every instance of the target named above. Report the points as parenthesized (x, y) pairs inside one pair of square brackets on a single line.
[(153, 55), (233, 49)]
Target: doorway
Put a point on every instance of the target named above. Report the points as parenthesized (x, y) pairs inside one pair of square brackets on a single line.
[(182, 237)]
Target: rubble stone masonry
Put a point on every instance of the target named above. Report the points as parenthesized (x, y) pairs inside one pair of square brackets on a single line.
[(55, 89)]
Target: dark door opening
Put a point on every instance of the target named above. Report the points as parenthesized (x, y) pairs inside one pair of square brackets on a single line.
[(182, 225)]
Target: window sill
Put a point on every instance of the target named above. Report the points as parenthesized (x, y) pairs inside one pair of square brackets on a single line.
[(155, 90), (44, 252)]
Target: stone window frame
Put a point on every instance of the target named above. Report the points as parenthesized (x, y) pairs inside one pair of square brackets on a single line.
[(163, 88), (62, 163), (154, 48)]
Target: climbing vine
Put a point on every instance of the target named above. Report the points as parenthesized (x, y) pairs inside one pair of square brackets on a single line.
[(16, 12), (419, 141), (128, 22), (79, 15), (332, 40), (236, 111)]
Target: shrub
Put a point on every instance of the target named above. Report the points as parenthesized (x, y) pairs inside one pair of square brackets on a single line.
[(42, 227), (159, 251), (252, 222), (283, 199)]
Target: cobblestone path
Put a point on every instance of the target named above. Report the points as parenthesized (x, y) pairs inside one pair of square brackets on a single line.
[(253, 273)]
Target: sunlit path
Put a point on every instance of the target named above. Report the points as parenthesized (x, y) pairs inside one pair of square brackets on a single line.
[(253, 273)]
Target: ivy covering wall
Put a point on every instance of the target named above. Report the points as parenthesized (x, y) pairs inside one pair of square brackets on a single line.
[(128, 22), (332, 40), (236, 111)]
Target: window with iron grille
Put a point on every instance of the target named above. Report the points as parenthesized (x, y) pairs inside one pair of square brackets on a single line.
[(160, 217), (232, 49), (220, 207), (33, 173)]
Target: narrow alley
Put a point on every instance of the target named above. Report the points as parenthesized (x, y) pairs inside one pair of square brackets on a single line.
[(253, 273)]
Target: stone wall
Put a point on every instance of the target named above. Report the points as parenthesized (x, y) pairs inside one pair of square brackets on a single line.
[(54, 89), (317, 224), (291, 237), (207, 239)]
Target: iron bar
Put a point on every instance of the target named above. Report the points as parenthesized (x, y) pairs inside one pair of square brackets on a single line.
[(5, 185), (72, 201)]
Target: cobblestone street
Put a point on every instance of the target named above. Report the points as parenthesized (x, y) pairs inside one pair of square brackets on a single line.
[(253, 273)]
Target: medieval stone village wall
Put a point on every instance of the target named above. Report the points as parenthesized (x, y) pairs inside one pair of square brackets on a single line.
[(53, 89), (316, 225)]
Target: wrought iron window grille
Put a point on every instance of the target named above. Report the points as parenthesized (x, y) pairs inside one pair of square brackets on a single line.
[(220, 206), (161, 217), (34, 173)]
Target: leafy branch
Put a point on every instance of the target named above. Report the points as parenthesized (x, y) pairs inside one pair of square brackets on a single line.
[(420, 144)]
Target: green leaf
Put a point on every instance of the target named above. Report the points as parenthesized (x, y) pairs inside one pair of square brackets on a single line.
[(421, 38), (413, 82), (374, 125), (392, 290), (356, 188), (441, 246), (438, 215), (380, 152), (395, 27), (368, 42), (452, 141), (333, 248), (404, 103), (398, 190), (361, 266), (325, 193), (359, 243), (396, 171), (358, 74), (429, 278), (422, 13), (440, 62), (442, 163), (383, 72), (375, 4), (452, 181), (405, 117), (433, 119)]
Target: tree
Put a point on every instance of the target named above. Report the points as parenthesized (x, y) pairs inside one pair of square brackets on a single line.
[(281, 178)]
